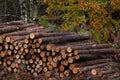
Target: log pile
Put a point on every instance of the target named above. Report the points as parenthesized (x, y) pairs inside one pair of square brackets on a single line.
[(55, 55)]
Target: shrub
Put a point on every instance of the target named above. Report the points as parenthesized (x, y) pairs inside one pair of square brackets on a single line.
[(95, 15)]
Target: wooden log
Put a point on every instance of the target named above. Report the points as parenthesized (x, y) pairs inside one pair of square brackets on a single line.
[(47, 53), (57, 49), (37, 45), (9, 62), (42, 54), (11, 57), (14, 28), (70, 48), (81, 43), (35, 74), (1, 39), (15, 38), (55, 59), (56, 69), (44, 59), (87, 68), (88, 63), (76, 70), (50, 58), (62, 39), (118, 78), (36, 28), (65, 63), (62, 62), (86, 56), (94, 72), (105, 72), (45, 69), (3, 53), (65, 56), (42, 47), (33, 56), (38, 35), (12, 47), (61, 75), (86, 47), (49, 73), (19, 22), (55, 64), (80, 57), (59, 57), (96, 51), (31, 61), (53, 53), (22, 33), (49, 47), (67, 73), (41, 62), (62, 49), (50, 67), (9, 69), (72, 59), (61, 68), (114, 75), (15, 70)]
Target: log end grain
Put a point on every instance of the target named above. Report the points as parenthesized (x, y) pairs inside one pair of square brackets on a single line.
[(69, 49), (61, 68), (75, 52), (7, 39), (94, 72), (75, 70), (32, 35), (70, 60), (48, 47), (39, 40)]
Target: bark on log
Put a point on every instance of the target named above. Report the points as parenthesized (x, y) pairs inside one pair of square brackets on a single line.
[(97, 51), (14, 28), (39, 34), (63, 39)]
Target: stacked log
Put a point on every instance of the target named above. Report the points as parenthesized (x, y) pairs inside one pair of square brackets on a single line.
[(67, 54)]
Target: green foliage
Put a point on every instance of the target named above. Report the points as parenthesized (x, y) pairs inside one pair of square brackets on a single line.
[(43, 20), (96, 14), (115, 46)]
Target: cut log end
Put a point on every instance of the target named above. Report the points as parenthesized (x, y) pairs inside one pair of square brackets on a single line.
[(69, 49), (100, 74), (77, 57), (67, 73), (1, 39), (39, 40), (75, 70), (55, 59), (32, 35), (70, 60), (93, 71), (54, 64), (75, 52), (61, 68), (26, 41), (48, 47), (61, 75), (57, 49), (71, 66), (59, 58), (35, 74), (7, 39), (50, 67)]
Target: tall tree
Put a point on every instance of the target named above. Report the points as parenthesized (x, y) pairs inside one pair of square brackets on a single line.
[(23, 9)]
